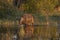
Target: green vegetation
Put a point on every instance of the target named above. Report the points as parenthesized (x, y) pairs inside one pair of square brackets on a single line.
[(40, 7)]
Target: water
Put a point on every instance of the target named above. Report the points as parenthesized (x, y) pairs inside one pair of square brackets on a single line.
[(42, 32)]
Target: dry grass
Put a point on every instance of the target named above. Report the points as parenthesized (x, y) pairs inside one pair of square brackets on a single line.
[(8, 23)]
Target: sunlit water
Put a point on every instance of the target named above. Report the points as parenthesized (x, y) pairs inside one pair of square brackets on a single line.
[(42, 32)]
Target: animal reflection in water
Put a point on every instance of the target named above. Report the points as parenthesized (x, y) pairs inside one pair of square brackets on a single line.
[(27, 28)]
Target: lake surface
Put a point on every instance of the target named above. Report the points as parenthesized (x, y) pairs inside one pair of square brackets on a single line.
[(42, 32)]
